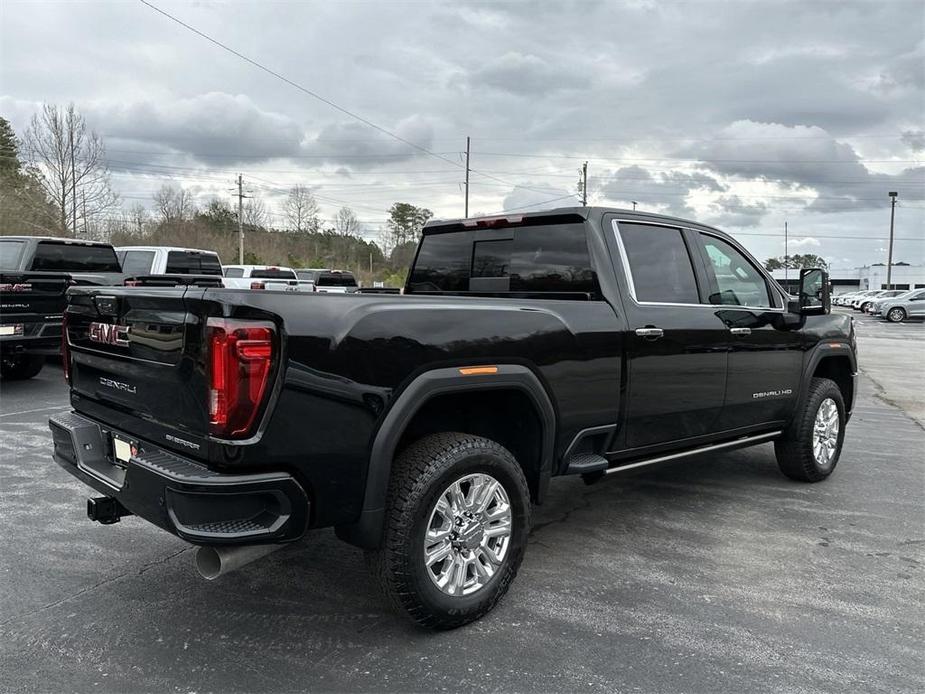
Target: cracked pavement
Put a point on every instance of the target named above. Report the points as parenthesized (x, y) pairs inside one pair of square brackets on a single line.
[(713, 574)]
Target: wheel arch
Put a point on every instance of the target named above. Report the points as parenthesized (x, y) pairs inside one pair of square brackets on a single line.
[(442, 391), (837, 362)]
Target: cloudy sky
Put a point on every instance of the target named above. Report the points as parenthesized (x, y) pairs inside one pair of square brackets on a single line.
[(740, 114)]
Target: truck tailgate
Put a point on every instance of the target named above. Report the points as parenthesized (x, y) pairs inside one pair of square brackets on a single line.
[(136, 354), (32, 302)]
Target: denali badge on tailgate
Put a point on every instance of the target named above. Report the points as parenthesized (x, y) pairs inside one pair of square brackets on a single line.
[(108, 334)]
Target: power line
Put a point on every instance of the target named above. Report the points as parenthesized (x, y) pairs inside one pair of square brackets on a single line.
[(317, 96)]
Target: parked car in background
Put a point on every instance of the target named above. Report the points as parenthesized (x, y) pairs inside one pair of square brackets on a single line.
[(908, 305), (266, 277), (329, 281), (138, 261), (862, 297), (35, 273), (842, 299), (873, 307)]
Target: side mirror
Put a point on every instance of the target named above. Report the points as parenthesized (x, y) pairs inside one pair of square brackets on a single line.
[(813, 296)]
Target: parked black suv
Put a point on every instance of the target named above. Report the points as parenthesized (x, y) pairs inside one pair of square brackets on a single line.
[(35, 272), (423, 427)]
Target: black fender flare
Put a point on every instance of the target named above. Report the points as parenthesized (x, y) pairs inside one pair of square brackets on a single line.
[(824, 350), (367, 531)]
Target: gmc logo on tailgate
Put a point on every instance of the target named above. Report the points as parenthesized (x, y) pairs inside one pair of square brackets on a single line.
[(108, 334)]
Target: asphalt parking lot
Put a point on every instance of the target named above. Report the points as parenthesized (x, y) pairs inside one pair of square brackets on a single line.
[(717, 574)]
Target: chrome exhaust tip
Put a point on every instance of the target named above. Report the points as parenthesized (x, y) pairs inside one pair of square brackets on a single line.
[(213, 561)]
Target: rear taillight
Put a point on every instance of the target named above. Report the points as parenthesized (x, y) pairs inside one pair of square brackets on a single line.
[(258, 285), (65, 350), (132, 283), (240, 363)]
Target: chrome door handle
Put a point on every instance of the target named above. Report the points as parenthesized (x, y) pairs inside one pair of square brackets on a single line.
[(740, 331), (650, 332)]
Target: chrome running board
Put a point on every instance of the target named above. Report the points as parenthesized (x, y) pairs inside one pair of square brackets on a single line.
[(736, 443)]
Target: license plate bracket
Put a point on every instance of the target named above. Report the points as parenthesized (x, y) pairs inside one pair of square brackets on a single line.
[(123, 449)]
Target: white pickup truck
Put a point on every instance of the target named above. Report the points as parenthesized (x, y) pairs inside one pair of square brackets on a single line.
[(139, 261), (270, 277)]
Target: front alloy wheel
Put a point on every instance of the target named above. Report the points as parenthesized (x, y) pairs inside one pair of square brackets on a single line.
[(825, 432), (896, 315)]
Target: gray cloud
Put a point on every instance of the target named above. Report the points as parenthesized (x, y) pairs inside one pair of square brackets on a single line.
[(668, 189), (525, 75), (353, 144)]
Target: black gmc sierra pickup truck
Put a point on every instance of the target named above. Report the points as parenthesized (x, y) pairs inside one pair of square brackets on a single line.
[(35, 272), (422, 427)]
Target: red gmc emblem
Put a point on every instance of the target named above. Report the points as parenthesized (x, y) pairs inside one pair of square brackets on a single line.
[(17, 288), (109, 334)]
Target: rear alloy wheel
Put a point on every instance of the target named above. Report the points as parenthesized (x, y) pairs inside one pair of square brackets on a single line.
[(896, 315), (457, 520), (20, 367)]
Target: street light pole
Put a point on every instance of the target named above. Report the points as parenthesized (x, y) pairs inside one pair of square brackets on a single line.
[(889, 257)]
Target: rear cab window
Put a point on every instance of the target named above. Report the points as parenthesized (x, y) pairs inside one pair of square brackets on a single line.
[(540, 258), (136, 262), (273, 273), (335, 279), (234, 272), (11, 253), (59, 256), (192, 263)]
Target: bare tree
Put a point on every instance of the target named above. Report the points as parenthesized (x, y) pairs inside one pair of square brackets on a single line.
[(302, 210), (71, 160), (346, 222), (255, 213), (137, 218), (174, 204)]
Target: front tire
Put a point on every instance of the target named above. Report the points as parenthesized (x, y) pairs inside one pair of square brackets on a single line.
[(21, 366), (896, 314), (456, 528), (810, 447)]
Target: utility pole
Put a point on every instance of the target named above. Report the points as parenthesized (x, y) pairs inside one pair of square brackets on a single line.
[(583, 184), (786, 257), (634, 205), (889, 257), (240, 219), (70, 138), (467, 178)]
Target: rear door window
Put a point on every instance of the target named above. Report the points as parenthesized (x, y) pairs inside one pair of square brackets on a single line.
[(659, 264), (137, 262), (56, 256), (10, 253), (234, 272)]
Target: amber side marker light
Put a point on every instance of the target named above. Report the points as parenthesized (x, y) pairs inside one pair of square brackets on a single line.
[(478, 370)]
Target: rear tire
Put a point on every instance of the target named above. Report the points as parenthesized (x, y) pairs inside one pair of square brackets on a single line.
[(896, 314), (20, 367), (422, 523), (810, 447)]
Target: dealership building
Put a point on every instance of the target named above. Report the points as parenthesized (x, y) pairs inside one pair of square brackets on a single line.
[(860, 278)]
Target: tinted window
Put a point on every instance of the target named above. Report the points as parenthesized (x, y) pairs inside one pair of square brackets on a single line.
[(307, 275), (190, 263), (492, 258), (659, 263), (73, 257), (273, 273), (738, 281), (234, 272), (336, 279), (442, 263), (552, 258), (137, 262), (9, 254)]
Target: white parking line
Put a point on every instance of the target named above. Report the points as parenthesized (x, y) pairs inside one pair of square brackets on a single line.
[(39, 409)]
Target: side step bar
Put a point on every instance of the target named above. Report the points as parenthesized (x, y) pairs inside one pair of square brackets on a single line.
[(736, 443)]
